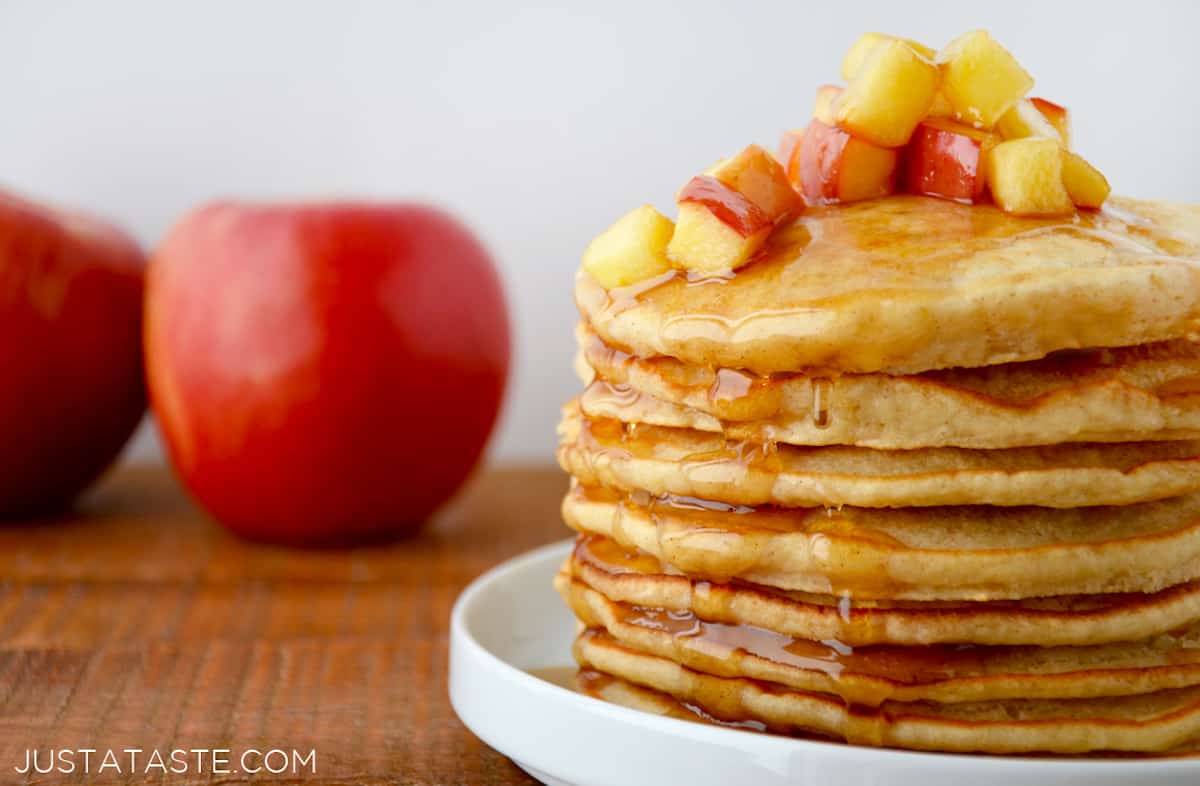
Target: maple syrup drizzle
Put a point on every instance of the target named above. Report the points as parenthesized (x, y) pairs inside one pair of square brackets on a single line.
[(596, 683), (607, 555), (888, 248), (752, 465), (730, 384), (605, 441), (605, 357), (624, 298), (709, 540), (822, 390), (916, 665), (618, 394), (1184, 386)]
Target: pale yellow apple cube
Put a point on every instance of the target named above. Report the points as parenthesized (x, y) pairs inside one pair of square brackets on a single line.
[(823, 107), (1086, 185), (1026, 177), (705, 244), (758, 176), (631, 250), (890, 94), (863, 45), (981, 79), (1024, 120)]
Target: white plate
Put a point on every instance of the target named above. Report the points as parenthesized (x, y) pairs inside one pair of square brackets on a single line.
[(510, 620)]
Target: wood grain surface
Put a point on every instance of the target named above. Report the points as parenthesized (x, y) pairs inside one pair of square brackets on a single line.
[(138, 623)]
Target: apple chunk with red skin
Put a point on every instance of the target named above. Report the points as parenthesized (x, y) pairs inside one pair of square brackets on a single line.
[(834, 166), (1058, 116), (324, 373), (726, 214), (71, 389), (789, 149), (947, 159)]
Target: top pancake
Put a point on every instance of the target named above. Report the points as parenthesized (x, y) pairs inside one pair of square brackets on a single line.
[(908, 284)]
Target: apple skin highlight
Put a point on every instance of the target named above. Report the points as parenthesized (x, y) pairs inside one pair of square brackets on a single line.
[(70, 353), (324, 373)]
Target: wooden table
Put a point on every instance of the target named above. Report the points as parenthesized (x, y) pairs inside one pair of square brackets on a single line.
[(137, 623)]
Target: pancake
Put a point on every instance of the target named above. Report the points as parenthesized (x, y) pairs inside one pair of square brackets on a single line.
[(908, 284), (694, 463), (954, 553), (1152, 722), (870, 676), (1141, 393), (620, 692), (613, 690), (1072, 620)]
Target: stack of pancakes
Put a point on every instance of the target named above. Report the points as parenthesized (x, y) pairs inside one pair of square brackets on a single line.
[(922, 475)]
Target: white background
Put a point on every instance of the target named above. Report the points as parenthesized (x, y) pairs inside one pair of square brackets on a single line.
[(537, 124)]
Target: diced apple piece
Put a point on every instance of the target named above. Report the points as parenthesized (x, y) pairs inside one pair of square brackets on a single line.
[(1087, 187), (1058, 116), (756, 174), (981, 79), (823, 110), (789, 149), (891, 92), (1026, 177), (863, 46), (834, 166), (631, 250), (726, 214), (1024, 119), (948, 159), (718, 228)]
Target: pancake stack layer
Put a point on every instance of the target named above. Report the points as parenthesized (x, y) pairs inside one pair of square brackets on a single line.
[(923, 475)]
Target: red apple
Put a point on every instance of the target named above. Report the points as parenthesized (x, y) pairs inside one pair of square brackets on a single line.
[(833, 166), (324, 373), (71, 388), (946, 159)]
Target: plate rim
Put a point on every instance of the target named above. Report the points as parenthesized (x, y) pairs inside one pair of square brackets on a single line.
[(462, 637)]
